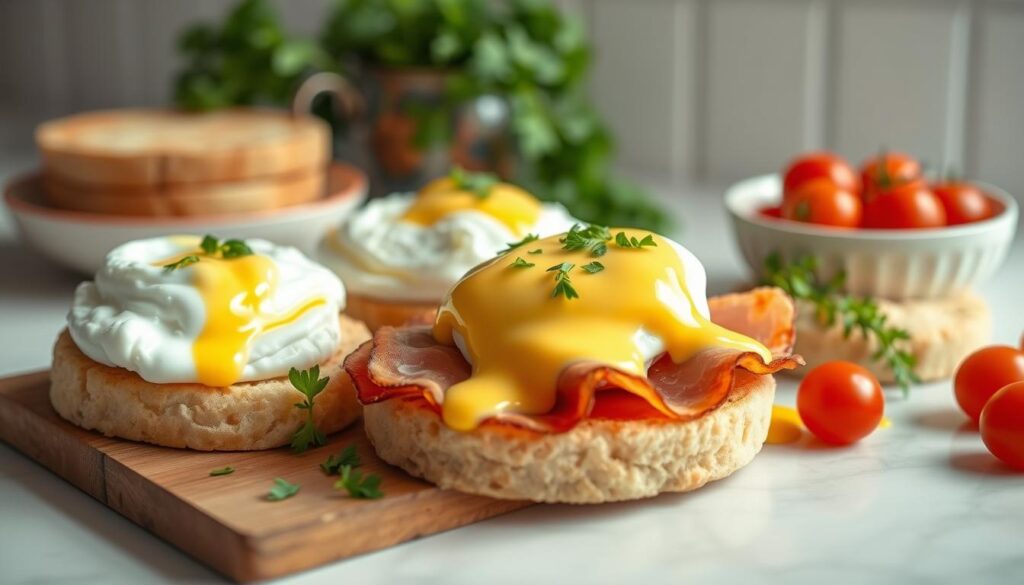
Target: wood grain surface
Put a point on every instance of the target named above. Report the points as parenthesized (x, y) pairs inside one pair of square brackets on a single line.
[(226, 522)]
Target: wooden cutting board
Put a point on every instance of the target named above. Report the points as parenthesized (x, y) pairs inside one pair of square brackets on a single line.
[(225, 522)]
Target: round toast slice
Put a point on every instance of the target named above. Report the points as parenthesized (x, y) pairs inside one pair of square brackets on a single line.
[(157, 147), (245, 416), (597, 461)]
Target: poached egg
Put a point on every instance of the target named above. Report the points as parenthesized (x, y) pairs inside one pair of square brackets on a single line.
[(516, 322), (216, 320), (414, 247)]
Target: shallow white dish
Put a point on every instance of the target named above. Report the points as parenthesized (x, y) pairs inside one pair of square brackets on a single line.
[(80, 241), (894, 264)]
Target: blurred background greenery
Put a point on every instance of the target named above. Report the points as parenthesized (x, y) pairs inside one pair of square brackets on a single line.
[(526, 53)]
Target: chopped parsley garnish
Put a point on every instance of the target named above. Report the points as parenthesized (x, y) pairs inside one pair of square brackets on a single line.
[(593, 267), (310, 384), (359, 485), (222, 471), (211, 246), (186, 261), (347, 458), (537, 251), (563, 286), (479, 184), (799, 280), (282, 490), (592, 238), (520, 263), (513, 245), (624, 241)]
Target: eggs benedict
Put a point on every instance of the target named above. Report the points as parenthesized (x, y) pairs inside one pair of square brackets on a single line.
[(582, 367), (400, 254), (187, 342)]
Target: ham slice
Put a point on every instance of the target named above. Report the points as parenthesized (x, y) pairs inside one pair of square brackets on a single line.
[(408, 362)]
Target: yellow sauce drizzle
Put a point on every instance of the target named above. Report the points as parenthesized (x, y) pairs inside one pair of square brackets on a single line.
[(520, 338), (786, 426), (506, 203), (233, 292)]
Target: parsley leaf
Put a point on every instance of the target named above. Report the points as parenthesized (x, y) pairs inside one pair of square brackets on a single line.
[(348, 457), (209, 244), (592, 238), (359, 485), (513, 245), (479, 184), (563, 286), (222, 471), (282, 490), (520, 263), (186, 261), (537, 251), (799, 280), (234, 249), (310, 384), (624, 241), (594, 267)]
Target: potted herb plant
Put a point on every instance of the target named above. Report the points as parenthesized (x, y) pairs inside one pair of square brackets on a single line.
[(496, 86)]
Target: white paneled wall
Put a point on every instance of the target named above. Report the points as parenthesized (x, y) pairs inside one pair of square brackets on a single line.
[(694, 89)]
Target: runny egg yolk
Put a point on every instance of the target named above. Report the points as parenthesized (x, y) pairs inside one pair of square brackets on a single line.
[(506, 203), (233, 292), (519, 337)]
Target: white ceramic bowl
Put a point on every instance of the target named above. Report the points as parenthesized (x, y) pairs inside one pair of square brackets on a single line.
[(80, 240), (893, 264)]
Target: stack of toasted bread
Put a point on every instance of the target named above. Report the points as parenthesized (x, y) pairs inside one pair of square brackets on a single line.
[(169, 163)]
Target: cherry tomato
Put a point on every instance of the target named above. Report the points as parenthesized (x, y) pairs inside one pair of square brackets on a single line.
[(983, 373), (820, 165), (840, 402), (909, 206), (963, 202), (823, 202), (774, 212), (897, 169), (1002, 424)]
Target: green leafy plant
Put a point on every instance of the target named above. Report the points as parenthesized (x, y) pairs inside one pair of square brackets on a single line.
[(309, 383), (525, 51), (832, 305)]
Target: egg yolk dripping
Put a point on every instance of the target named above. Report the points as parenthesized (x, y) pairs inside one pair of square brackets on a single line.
[(234, 291), (508, 204), (520, 337)]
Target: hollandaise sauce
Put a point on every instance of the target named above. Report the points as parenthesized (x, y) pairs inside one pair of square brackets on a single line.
[(520, 337), (234, 293), (506, 203)]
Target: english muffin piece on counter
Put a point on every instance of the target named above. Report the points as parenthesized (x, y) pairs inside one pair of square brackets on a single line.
[(399, 254), (188, 342), (593, 369)]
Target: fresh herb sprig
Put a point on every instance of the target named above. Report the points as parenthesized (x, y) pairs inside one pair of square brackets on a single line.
[(282, 490), (364, 486), (624, 241), (513, 245), (593, 267), (520, 263), (480, 184), (186, 261), (310, 384), (348, 457), (592, 238), (563, 285), (211, 246), (832, 305)]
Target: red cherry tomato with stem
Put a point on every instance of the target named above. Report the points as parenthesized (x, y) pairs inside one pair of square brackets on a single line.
[(983, 373), (840, 402), (823, 202), (909, 206), (888, 169), (820, 165), (1002, 425)]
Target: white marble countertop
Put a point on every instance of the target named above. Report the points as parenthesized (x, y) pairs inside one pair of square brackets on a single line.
[(919, 502)]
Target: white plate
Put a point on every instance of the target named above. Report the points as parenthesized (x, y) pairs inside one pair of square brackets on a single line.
[(80, 240), (894, 264)]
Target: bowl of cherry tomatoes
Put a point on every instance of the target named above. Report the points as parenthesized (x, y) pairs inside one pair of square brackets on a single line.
[(892, 232)]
